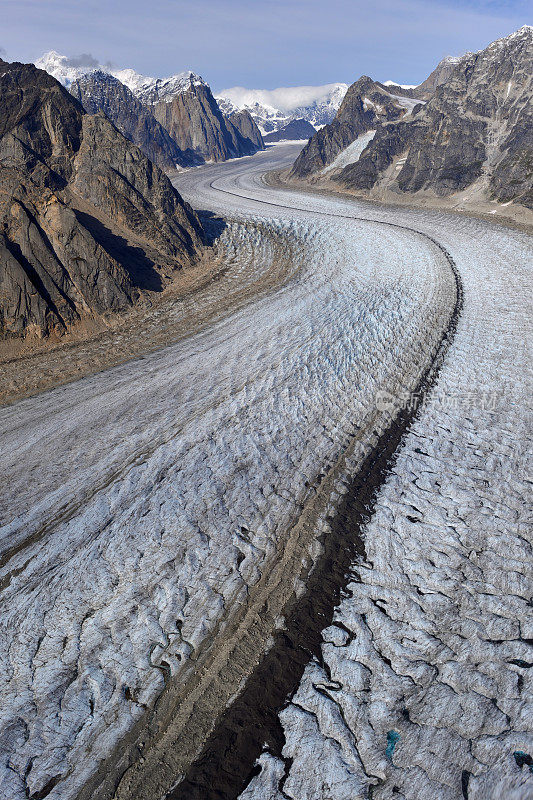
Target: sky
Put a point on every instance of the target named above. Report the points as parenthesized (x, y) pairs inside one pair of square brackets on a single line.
[(262, 44)]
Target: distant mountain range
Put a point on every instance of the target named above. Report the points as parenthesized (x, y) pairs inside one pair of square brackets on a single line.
[(273, 109), (295, 130), (176, 121), (67, 70), (202, 133)]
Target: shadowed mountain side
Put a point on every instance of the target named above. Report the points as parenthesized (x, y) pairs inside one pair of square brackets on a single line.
[(78, 200), (365, 105), (297, 129), (99, 91)]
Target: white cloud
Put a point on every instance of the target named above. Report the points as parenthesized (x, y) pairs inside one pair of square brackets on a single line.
[(285, 98), (82, 61)]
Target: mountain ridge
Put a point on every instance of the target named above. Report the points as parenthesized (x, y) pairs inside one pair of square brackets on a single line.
[(182, 104), (365, 104), (475, 132), (88, 224), (472, 139), (100, 91), (275, 108)]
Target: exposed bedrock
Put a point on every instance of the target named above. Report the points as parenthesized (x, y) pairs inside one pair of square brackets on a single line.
[(475, 131), (87, 222), (196, 123), (365, 104), (99, 91), (246, 127)]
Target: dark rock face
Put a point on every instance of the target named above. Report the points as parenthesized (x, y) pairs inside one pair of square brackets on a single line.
[(297, 129), (87, 222), (98, 91), (440, 75), (477, 128), (512, 178), (195, 122), (247, 129), (364, 107), (374, 160)]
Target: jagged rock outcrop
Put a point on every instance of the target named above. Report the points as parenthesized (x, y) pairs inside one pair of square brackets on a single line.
[(375, 159), (365, 105), (182, 104), (297, 129), (512, 178), (87, 223), (441, 73), (247, 128), (99, 91), (476, 129), (195, 122)]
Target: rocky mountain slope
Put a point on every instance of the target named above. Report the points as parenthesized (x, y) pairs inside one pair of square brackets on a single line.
[(274, 109), (247, 128), (440, 75), (296, 129), (365, 105), (100, 91), (475, 133), (182, 104), (426, 89), (88, 224), (194, 120)]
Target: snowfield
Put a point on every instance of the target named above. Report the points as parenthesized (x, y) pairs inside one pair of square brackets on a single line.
[(350, 154), (126, 554)]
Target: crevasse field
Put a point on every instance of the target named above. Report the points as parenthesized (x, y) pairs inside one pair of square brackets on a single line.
[(124, 559)]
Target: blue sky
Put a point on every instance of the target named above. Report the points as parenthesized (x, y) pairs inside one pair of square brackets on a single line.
[(261, 44)]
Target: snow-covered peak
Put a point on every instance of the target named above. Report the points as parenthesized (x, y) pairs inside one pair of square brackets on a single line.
[(525, 30), (402, 85), (455, 59), (275, 108), (134, 80), (525, 33), (151, 90), (67, 70), (285, 99)]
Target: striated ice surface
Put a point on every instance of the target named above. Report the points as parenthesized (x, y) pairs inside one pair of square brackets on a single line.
[(140, 505), (429, 696)]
